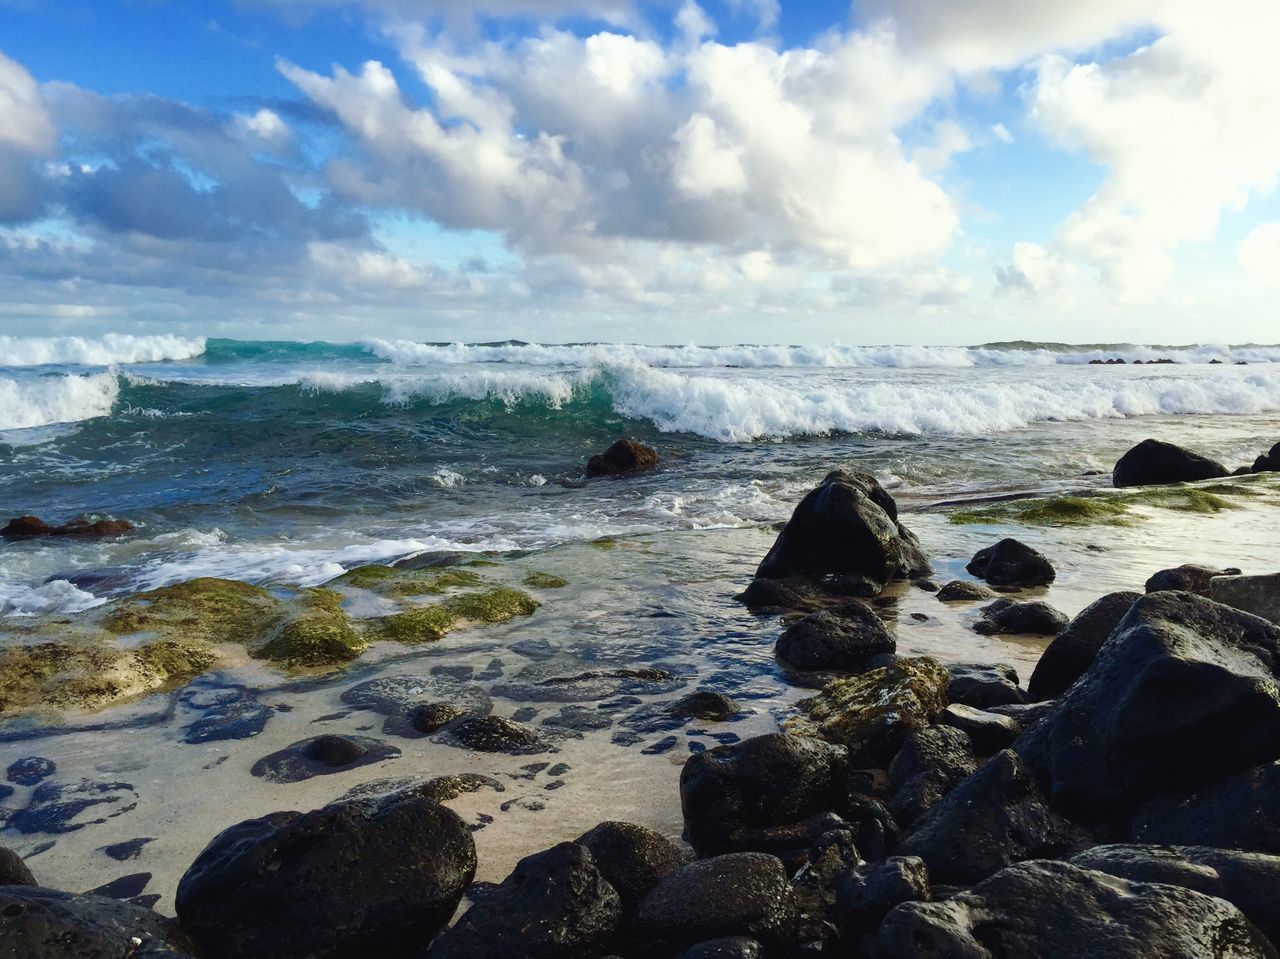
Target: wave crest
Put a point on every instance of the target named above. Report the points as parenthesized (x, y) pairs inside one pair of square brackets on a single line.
[(108, 350), (47, 400)]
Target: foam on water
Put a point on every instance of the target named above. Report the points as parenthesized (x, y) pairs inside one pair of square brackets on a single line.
[(108, 350), (45, 400)]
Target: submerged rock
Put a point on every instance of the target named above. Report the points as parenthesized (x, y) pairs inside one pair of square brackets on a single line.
[(29, 527), (494, 734), (46, 924), (31, 770), (1048, 910), (1189, 578), (824, 640), (847, 525), (61, 807), (623, 458), (321, 756), (707, 705), (959, 590), (1153, 461), (1031, 618), (1011, 563), (1072, 652), (345, 880)]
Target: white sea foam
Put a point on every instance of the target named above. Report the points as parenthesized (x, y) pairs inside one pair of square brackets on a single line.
[(58, 596), (835, 356), (108, 350), (41, 401)]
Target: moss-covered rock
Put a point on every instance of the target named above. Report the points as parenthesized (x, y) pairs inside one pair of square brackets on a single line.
[(213, 610), (321, 636), (428, 623), (1113, 509), (541, 580), (422, 625), (390, 581), (495, 605), (872, 713)]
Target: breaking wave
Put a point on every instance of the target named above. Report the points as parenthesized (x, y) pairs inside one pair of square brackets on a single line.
[(108, 350)]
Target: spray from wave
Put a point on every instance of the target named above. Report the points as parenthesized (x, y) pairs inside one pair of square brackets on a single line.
[(108, 350), (47, 400)]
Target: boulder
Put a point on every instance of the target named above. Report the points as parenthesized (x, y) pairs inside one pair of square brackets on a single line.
[(631, 858), (623, 458), (872, 713), (29, 527), (1190, 578), (13, 871), (730, 947), (30, 770), (983, 685), (1184, 693), (707, 705), (1031, 618), (1247, 880), (1240, 812), (995, 817), (40, 923), (988, 732), (348, 879), (1011, 563), (495, 734), (1259, 595), (773, 793), (555, 904), (1268, 462), (823, 640), (795, 593), (848, 525), (1154, 461), (1048, 910), (960, 590), (931, 762), (1071, 653), (739, 894), (868, 892), (816, 882), (321, 756)]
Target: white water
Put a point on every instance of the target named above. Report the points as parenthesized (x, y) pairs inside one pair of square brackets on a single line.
[(105, 350), (43, 401)]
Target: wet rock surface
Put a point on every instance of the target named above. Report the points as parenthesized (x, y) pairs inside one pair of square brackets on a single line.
[(824, 640), (1154, 461), (1011, 563), (40, 923), (1189, 578), (624, 457), (962, 591), (494, 734), (984, 685), (1032, 618), (321, 756), (1073, 650)]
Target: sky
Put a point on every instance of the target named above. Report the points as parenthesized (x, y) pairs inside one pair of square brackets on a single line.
[(721, 171)]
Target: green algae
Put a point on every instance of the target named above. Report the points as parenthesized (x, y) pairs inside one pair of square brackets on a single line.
[(541, 580), (322, 635), (1112, 509), (495, 605), (1184, 499), (213, 610), (422, 625), (604, 542), (429, 623), (389, 581)]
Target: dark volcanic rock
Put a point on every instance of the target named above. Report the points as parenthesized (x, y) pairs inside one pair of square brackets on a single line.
[(745, 894), (494, 734), (983, 685), (771, 793), (29, 771), (707, 705), (1246, 880), (623, 457), (995, 817), (868, 892), (931, 762), (633, 859), (125, 887), (959, 590), (1071, 653), (1011, 563), (13, 871), (796, 593), (398, 697), (59, 807), (28, 527), (823, 640), (989, 732), (1048, 910), (1153, 461), (848, 525), (430, 717), (730, 947), (44, 924), (1240, 812), (1033, 618), (343, 881), (555, 905), (129, 849), (1189, 578), (321, 756), (1182, 694), (1268, 462)]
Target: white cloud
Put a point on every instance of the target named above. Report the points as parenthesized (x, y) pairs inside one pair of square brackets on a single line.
[(1037, 272), (1259, 252), (24, 119), (265, 125), (949, 139), (1001, 133)]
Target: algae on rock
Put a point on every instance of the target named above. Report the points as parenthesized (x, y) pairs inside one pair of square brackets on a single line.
[(429, 623), (213, 610), (540, 580), (390, 581), (321, 636)]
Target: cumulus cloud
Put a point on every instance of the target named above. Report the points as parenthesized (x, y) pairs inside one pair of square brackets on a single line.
[(24, 120), (1036, 271), (1259, 252)]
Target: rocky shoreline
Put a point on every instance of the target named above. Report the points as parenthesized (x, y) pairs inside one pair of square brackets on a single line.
[(1122, 803)]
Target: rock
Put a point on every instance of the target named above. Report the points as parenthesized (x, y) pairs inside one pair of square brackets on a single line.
[(1026, 715), (631, 858), (995, 817), (623, 458), (129, 849), (928, 585), (1183, 693), (730, 947), (345, 880), (29, 527), (1153, 461), (870, 891), (871, 714), (322, 756), (1032, 619), (815, 884), (989, 732), (124, 888), (931, 762), (430, 717), (707, 705), (398, 698), (29, 771), (1189, 578), (1246, 880), (1071, 653), (1268, 462), (46, 924), (439, 789), (847, 525), (822, 640), (494, 734), (772, 793), (61, 807), (796, 593), (1048, 910), (13, 871), (983, 685), (555, 904), (739, 894), (1259, 595), (959, 590), (1240, 812), (1011, 563)]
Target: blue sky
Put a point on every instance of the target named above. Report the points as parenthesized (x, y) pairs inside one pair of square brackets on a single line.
[(894, 171)]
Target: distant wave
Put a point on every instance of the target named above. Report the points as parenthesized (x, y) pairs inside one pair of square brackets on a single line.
[(588, 355), (46, 400), (108, 350)]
